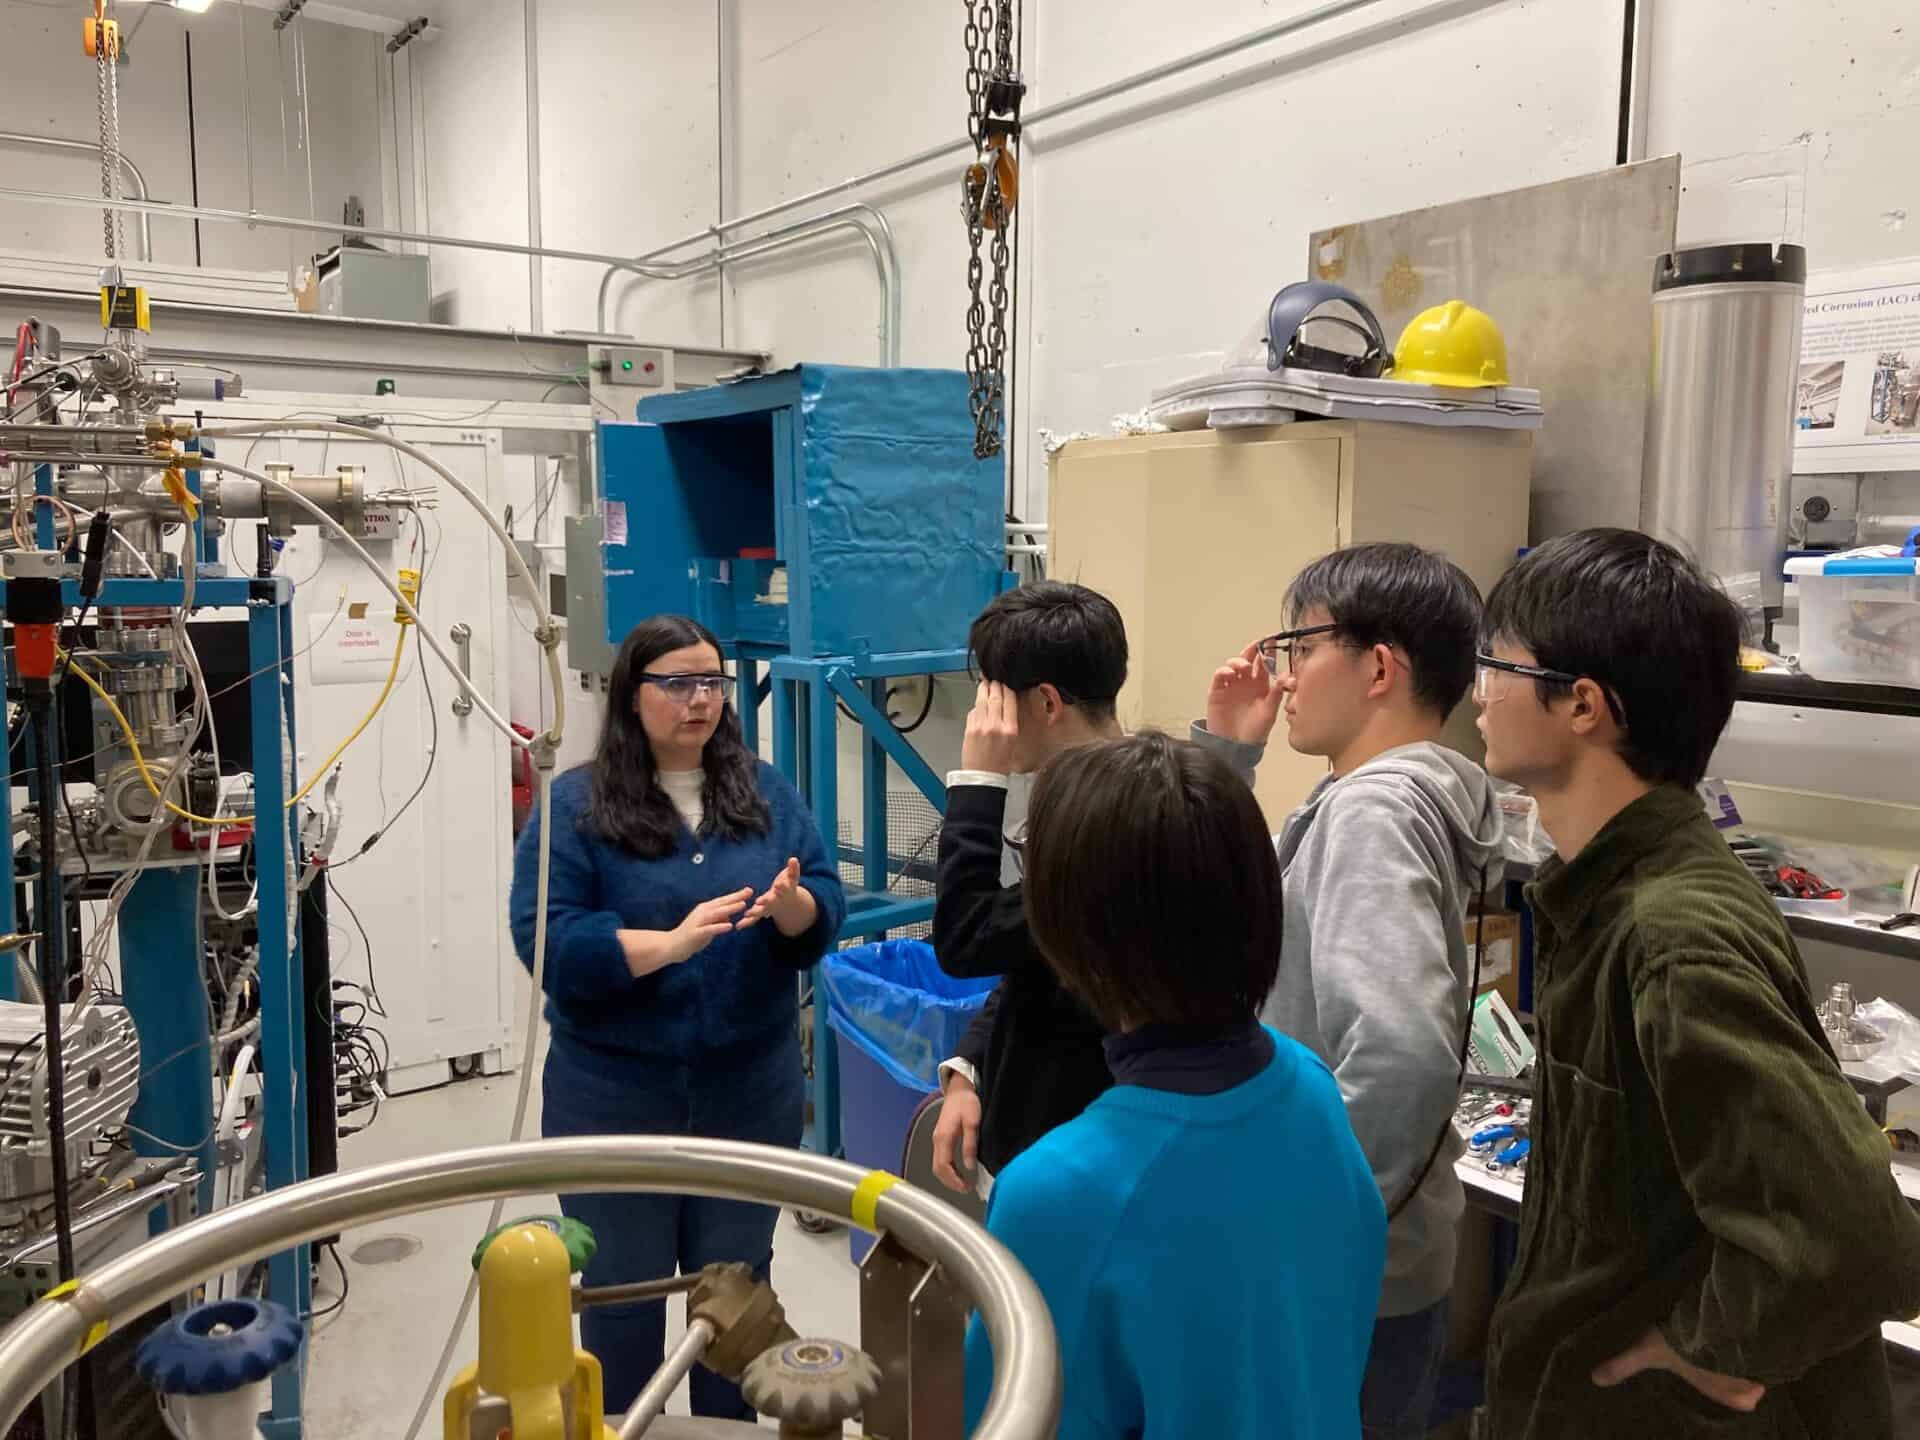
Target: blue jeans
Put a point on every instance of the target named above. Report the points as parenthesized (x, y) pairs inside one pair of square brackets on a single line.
[(1403, 1371), (645, 1237)]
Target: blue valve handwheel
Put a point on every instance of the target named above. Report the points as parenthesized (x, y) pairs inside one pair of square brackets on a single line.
[(219, 1347)]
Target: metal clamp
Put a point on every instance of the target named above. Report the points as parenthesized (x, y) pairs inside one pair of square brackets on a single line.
[(462, 635)]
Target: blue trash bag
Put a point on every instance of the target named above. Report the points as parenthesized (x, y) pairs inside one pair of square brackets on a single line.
[(904, 1012)]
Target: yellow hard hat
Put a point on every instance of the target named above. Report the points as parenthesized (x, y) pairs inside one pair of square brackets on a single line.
[(1451, 344)]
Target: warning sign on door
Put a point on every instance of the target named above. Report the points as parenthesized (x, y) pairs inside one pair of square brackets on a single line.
[(355, 646)]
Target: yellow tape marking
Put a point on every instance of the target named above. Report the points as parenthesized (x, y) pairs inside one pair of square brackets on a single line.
[(97, 1332), (866, 1198)]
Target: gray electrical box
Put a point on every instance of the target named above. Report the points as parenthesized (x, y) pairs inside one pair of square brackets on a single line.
[(588, 650), (370, 284)]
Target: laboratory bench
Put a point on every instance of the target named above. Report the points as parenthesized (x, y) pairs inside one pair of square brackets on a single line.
[(1500, 1195)]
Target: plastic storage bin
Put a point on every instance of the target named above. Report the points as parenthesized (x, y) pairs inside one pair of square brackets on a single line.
[(895, 1016), (1859, 617)]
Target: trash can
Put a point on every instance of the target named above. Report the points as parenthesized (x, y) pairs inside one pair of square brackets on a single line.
[(895, 1016)]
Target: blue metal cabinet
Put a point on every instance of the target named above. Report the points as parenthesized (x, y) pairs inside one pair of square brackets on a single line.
[(859, 486)]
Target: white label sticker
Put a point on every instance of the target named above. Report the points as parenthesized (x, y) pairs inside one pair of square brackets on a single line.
[(354, 648), (613, 522)]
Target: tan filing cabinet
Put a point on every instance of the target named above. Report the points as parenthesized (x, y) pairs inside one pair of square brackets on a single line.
[(1196, 535)]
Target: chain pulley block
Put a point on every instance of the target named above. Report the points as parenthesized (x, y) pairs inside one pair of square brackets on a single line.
[(989, 193)]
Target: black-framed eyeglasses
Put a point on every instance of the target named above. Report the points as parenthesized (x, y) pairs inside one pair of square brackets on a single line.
[(1487, 691), (1286, 646), (682, 689)]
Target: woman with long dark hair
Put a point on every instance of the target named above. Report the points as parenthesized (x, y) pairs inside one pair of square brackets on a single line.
[(687, 885)]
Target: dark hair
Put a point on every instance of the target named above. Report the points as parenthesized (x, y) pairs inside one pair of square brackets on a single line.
[(625, 803), (1644, 623), (1151, 886), (1051, 632), (1392, 593)]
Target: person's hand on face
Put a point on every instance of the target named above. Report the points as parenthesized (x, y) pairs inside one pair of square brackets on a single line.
[(788, 903), (1244, 700), (993, 730)]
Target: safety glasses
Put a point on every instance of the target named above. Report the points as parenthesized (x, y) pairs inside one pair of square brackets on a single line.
[(1490, 684), (681, 689)]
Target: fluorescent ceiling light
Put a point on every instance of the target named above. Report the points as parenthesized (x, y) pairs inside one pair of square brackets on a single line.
[(194, 7)]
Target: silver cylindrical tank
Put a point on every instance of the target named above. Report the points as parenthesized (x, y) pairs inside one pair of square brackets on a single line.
[(1719, 448)]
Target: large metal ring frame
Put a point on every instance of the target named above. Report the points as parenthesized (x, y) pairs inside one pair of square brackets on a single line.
[(1025, 1404)]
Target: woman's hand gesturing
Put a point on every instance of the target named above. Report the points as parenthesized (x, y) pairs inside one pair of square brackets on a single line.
[(651, 950), (788, 903)]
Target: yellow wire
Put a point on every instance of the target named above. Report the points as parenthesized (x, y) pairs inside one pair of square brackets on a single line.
[(393, 672), (146, 774)]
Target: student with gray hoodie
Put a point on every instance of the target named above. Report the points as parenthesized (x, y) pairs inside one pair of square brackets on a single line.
[(1378, 867)]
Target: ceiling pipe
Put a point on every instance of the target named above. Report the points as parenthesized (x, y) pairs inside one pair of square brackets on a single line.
[(92, 147), (869, 222)]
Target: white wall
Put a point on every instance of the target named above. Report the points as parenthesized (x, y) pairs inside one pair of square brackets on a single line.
[(629, 156), (471, 84), (1797, 122), (51, 90)]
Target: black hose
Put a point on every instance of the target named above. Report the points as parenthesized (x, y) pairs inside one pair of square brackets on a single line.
[(50, 950), (926, 709)]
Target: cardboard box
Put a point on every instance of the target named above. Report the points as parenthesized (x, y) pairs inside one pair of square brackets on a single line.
[(1500, 960)]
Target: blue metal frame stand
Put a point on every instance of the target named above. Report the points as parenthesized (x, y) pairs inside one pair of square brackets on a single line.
[(161, 959), (805, 696)]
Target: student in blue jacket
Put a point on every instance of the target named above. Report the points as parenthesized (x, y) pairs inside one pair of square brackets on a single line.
[(688, 884), (1207, 1233)]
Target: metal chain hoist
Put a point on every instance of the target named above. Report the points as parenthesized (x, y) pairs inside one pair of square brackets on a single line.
[(988, 194), (100, 37)]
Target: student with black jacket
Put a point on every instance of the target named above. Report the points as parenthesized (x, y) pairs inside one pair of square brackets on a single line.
[(1050, 658)]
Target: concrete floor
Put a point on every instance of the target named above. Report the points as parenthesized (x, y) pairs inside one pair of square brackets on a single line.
[(372, 1359)]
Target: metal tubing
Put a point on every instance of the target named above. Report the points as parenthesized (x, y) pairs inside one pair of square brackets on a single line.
[(651, 1403), (38, 1345), (14, 137), (879, 238), (294, 222), (747, 248), (587, 1297), (874, 225)]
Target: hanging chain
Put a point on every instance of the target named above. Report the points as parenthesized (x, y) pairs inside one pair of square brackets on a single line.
[(106, 156), (989, 191), (112, 157)]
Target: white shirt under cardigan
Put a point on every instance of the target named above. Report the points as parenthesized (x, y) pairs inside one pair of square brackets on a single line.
[(683, 789)]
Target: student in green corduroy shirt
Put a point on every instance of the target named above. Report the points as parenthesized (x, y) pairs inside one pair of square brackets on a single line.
[(1710, 1237)]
